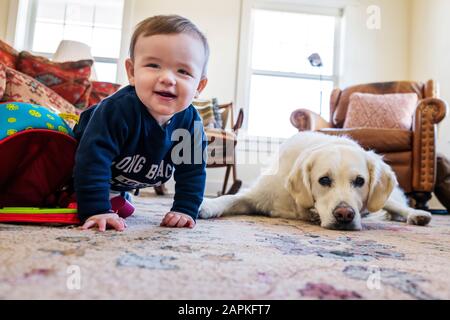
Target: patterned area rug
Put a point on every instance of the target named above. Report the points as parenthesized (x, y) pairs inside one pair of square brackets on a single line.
[(245, 257)]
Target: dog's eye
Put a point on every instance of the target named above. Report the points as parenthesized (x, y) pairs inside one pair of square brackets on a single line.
[(325, 181), (358, 182)]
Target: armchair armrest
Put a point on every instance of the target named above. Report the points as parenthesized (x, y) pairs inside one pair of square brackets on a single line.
[(239, 121), (305, 120), (428, 114)]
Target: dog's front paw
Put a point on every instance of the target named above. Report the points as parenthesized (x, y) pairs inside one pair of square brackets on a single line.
[(314, 216), (207, 210), (419, 218)]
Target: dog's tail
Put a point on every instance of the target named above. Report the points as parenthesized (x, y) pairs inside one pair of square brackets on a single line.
[(225, 205)]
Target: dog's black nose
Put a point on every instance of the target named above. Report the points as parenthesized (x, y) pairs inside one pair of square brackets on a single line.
[(344, 214)]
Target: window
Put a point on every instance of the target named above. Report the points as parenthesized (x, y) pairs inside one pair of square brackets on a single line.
[(97, 23), (281, 78)]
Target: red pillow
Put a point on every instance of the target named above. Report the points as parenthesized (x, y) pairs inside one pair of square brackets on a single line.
[(101, 90), (23, 88), (69, 79), (8, 55)]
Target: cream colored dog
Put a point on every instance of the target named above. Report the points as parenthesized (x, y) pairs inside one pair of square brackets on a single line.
[(324, 179)]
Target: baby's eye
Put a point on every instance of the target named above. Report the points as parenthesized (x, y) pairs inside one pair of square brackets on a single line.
[(184, 72), (152, 65)]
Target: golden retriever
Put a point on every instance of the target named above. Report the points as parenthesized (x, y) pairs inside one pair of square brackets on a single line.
[(324, 179)]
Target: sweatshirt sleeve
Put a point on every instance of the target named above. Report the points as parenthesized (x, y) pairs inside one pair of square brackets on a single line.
[(103, 136), (190, 178)]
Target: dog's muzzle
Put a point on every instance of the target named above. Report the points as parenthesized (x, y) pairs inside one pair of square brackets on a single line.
[(343, 213)]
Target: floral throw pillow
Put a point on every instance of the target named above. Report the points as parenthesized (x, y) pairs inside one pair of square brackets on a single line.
[(69, 79), (2, 79), (8, 55), (21, 88), (389, 111)]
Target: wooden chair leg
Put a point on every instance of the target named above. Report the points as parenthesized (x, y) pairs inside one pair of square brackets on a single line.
[(225, 182), (236, 183), (160, 190), (421, 199)]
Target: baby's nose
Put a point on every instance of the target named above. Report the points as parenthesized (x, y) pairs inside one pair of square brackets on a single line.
[(167, 78)]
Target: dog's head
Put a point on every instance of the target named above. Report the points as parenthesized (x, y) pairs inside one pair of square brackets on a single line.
[(340, 182)]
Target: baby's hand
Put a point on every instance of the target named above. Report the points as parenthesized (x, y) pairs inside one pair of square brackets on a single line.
[(177, 220), (103, 220)]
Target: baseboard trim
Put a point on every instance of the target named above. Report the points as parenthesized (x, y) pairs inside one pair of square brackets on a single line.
[(212, 189)]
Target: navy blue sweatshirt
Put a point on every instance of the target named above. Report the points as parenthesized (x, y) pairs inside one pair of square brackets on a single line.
[(122, 147)]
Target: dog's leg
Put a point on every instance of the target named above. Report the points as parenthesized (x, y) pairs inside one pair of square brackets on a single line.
[(226, 205), (399, 210)]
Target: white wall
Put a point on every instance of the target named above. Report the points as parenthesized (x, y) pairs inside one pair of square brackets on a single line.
[(4, 10), (372, 55)]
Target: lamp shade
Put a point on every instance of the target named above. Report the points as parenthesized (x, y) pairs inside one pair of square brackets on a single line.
[(69, 50)]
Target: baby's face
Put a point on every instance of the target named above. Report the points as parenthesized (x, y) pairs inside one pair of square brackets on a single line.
[(167, 72)]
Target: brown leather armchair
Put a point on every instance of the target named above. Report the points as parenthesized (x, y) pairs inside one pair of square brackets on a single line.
[(411, 153)]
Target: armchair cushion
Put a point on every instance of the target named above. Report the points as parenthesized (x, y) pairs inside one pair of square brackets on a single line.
[(209, 112), (69, 79), (8, 55), (379, 140), (389, 111)]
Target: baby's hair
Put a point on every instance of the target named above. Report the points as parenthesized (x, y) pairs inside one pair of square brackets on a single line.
[(168, 24)]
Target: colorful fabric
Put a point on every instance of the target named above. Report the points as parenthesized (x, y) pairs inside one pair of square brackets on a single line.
[(209, 112), (221, 146), (36, 166), (37, 156), (22, 88), (69, 79), (101, 90), (16, 117), (388, 111), (8, 55)]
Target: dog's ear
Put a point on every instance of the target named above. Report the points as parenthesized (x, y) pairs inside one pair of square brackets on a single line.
[(382, 182), (298, 182)]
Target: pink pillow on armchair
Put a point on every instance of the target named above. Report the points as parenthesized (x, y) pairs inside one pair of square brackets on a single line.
[(389, 111)]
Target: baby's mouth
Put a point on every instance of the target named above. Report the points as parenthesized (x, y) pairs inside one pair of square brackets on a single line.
[(165, 94)]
